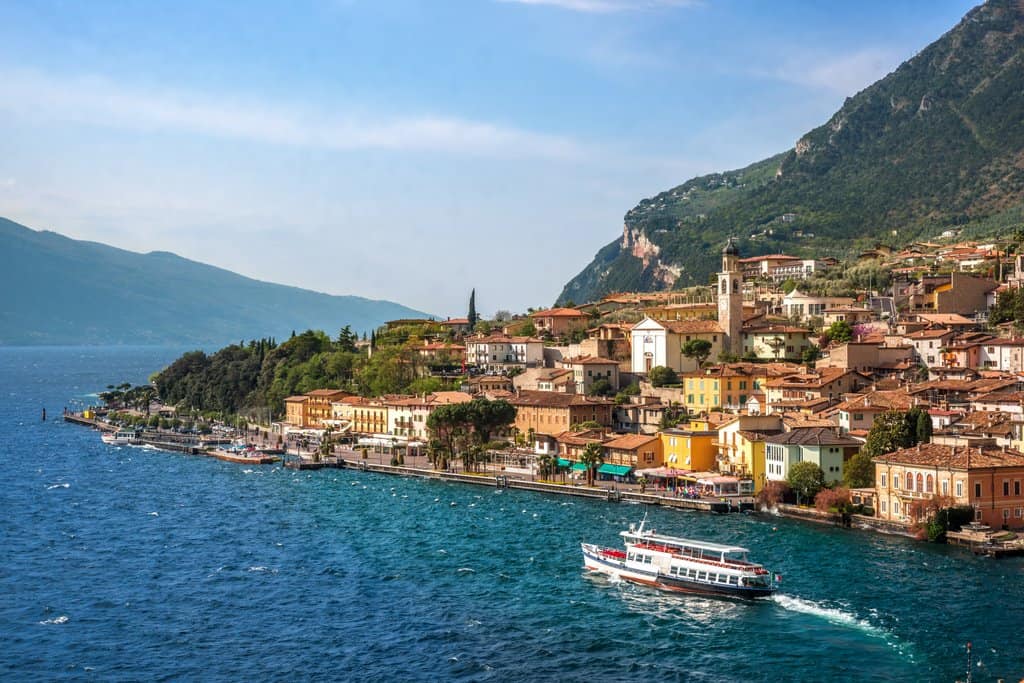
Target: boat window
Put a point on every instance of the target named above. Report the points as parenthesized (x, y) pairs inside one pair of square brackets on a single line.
[(722, 578), (647, 559), (702, 575), (733, 580)]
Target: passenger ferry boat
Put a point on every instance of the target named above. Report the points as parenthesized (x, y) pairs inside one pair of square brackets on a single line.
[(122, 437), (681, 565)]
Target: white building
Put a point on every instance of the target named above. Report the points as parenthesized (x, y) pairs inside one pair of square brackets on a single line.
[(660, 343), (500, 353), (800, 306)]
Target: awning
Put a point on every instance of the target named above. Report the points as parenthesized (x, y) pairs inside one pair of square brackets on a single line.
[(579, 467), (617, 470), (562, 462)]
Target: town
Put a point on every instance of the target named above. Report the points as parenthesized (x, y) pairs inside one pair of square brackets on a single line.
[(888, 390)]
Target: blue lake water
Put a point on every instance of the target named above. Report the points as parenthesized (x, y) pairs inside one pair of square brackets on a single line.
[(134, 564)]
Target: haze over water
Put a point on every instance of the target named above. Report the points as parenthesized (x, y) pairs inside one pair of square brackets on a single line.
[(128, 564)]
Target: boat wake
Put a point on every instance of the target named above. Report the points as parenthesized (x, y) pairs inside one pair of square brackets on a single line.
[(58, 486), (62, 619), (833, 615)]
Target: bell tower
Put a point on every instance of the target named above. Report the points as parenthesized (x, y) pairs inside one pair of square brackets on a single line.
[(730, 299)]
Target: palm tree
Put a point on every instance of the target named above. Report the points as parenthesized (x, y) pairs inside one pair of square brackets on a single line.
[(546, 464), (592, 456)]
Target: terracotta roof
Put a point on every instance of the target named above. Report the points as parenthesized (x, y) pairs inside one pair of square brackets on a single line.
[(455, 321), (552, 399), (558, 313), (326, 393), (878, 401), (590, 360), (929, 334), (769, 257), (580, 438), (775, 329), (296, 399), (954, 457), (630, 442)]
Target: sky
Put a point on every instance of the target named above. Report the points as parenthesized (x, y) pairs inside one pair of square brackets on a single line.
[(411, 151)]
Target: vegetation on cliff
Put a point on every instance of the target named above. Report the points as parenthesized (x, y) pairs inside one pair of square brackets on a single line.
[(936, 143)]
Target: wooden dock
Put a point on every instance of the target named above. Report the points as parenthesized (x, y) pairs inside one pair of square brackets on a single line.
[(987, 542)]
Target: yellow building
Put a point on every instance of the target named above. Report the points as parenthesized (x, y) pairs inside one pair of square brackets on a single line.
[(296, 411), (691, 448), (722, 386), (741, 449)]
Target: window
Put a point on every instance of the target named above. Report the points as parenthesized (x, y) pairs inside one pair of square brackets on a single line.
[(959, 489), (977, 489), (884, 506), (702, 576), (945, 487), (920, 482), (883, 477), (1006, 513), (1006, 487), (910, 481), (733, 580), (858, 416), (895, 507), (1018, 513), (1016, 487)]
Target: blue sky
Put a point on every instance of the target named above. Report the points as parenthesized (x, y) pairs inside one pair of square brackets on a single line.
[(411, 150)]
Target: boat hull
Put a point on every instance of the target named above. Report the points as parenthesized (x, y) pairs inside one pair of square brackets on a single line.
[(607, 561)]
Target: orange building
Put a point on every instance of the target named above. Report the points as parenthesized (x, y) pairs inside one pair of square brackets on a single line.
[(296, 411), (318, 408), (986, 478)]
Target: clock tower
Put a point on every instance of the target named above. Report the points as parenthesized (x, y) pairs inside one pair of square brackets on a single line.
[(730, 299)]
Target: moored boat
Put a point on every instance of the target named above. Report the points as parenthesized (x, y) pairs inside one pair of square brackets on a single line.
[(681, 565), (122, 437)]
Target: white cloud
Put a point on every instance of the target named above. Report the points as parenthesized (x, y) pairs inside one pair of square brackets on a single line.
[(845, 74), (607, 6), (99, 101)]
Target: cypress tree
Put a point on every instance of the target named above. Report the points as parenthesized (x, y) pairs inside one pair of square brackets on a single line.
[(472, 317)]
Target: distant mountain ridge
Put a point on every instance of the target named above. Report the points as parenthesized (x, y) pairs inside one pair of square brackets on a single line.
[(937, 143), (64, 291)]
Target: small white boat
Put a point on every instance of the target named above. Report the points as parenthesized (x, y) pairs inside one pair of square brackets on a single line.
[(681, 565), (122, 437)]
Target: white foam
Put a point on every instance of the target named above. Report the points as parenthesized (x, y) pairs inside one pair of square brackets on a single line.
[(467, 570), (59, 486), (833, 615), (62, 619), (154, 514)]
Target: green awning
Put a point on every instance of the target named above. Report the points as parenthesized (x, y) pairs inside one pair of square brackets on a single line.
[(562, 462), (617, 470), (579, 467)]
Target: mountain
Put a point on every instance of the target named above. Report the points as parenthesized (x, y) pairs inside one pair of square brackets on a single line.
[(65, 291), (937, 143)]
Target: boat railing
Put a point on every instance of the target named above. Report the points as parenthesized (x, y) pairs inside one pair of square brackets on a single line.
[(728, 562)]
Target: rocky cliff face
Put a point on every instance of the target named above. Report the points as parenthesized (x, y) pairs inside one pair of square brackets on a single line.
[(937, 143)]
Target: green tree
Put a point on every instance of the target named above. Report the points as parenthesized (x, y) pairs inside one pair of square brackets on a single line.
[(859, 471), (890, 432), (805, 479), (661, 375), (601, 387), (840, 332), (592, 456), (547, 465), (347, 339), (698, 349), (922, 424), (471, 316)]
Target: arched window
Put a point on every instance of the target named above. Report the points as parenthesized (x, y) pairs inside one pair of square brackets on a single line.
[(910, 481), (930, 484), (735, 285), (724, 285), (920, 483)]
